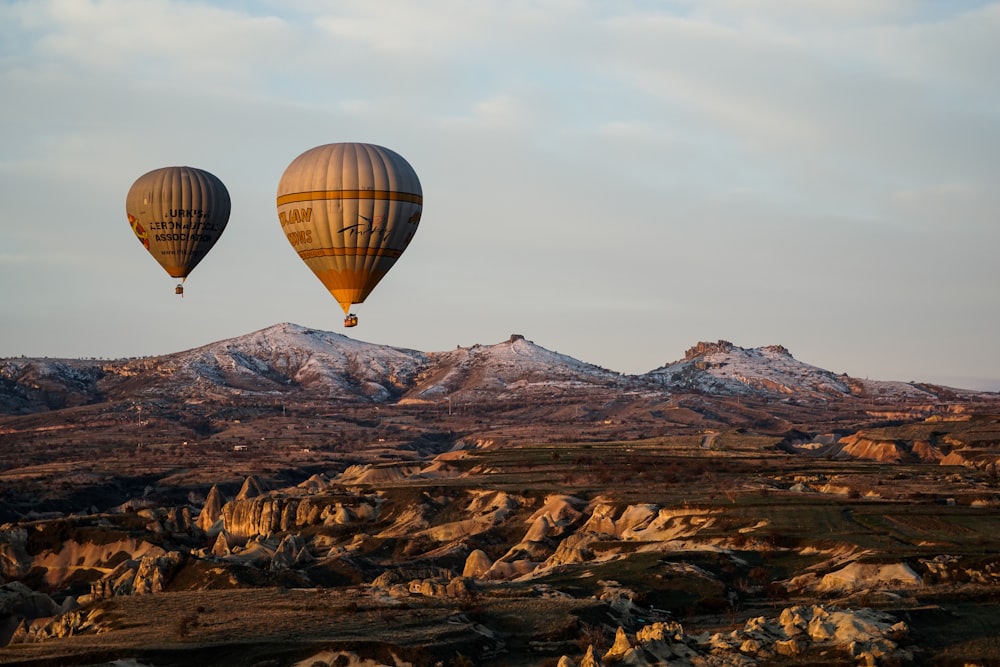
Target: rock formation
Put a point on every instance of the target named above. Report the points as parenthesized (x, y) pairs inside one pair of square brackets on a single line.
[(142, 576), (865, 635), (19, 604), (211, 511)]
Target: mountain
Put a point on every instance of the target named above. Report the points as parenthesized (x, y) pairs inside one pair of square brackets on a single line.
[(514, 367), (281, 358), (165, 505), (724, 369), (288, 359), (31, 385)]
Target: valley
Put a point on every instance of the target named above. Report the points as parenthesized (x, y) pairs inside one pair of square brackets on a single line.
[(494, 505)]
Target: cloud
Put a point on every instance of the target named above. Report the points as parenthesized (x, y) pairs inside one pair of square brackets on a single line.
[(954, 53), (822, 15), (948, 206), (706, 168), (162, 40), (826, 109), (402, 29)]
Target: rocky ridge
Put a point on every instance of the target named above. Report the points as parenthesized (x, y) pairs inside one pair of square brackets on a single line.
[(289, 360)]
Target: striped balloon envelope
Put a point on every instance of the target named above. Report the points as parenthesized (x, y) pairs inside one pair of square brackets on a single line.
[(349, 210), (178, 214)]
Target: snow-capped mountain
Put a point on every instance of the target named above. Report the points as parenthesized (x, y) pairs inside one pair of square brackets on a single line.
[(288, 355), (30, 385), (289, 359), (722, 368), (515, 366)]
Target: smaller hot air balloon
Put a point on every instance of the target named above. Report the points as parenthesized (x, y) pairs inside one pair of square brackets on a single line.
[(349, 210), (178, 213)]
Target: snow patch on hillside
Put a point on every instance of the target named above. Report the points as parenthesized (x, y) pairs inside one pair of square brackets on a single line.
[(515, 365), (289, 354), (290, 358), (723, 368)]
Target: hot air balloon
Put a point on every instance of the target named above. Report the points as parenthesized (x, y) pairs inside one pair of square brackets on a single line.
[(349, 210), (178, 213)]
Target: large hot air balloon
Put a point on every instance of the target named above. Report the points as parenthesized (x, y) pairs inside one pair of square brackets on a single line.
[(349, 210), (178, 213)]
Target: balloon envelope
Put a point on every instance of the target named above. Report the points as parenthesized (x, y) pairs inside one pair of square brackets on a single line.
[(178, 213), (349, 210)]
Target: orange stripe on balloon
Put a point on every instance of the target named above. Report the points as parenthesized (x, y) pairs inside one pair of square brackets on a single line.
[(336, 252), (320, 195)]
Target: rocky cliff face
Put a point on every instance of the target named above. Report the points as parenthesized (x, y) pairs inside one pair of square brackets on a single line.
[(704, 348), (244, 519)]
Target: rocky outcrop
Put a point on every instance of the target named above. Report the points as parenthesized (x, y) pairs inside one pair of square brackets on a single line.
[(18, 605), (252, 488), (574, 549), (211, 511), (459, 587), (317, 483), (621, 650), (291, 553), (168, 520), (477, 564), (65, 624), (858, 576), (15, 561), (982, 460), (143, 576), (645, 522), (349, 659), (559, 533), (950, 569), (665, 642), (16, 598), (394, 576), (76, 558), (427, 582), (221, 547), (248, 518), (862, 446), (703, 348), (485, 510), (867, 636)]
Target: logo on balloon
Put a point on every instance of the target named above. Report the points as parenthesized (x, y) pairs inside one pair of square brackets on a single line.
[(139, 231)]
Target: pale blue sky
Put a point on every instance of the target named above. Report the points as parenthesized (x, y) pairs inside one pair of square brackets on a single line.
[(614, 180)]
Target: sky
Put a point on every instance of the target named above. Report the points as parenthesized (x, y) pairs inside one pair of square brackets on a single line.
[(616, 181)]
